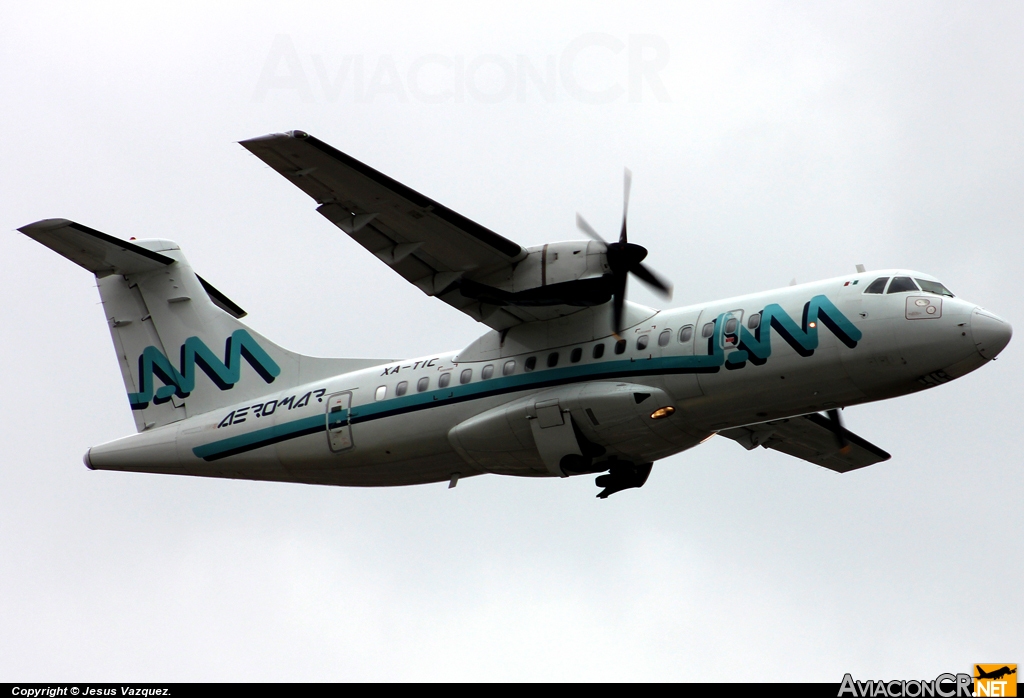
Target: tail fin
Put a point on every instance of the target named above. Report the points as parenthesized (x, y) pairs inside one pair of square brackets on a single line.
[(167, 322)]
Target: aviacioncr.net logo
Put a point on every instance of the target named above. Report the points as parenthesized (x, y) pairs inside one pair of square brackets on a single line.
[(995, 680), (943, 686)]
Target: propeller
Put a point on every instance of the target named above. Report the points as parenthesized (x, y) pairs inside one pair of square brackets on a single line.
[(625, 258), (841, 441)]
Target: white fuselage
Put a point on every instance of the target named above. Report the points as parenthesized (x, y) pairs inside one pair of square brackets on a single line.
[(401, 423)]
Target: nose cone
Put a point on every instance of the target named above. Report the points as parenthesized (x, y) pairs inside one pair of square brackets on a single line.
[(991, 333)]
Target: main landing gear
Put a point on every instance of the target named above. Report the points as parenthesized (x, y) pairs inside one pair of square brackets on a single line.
[(623, 476)]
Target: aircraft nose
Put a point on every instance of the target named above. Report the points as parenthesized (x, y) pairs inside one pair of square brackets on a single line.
[(991, 333)]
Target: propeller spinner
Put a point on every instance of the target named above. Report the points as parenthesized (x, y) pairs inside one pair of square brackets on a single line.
[(625, 258)]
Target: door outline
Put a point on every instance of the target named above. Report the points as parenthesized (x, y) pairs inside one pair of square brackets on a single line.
[(729, 315), (339, 434)]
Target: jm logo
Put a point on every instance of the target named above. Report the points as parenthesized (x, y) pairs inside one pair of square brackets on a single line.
[(756, 346), (195, 353)]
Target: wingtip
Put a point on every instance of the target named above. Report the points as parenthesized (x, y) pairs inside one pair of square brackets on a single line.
[(44, 225), (296, 134)]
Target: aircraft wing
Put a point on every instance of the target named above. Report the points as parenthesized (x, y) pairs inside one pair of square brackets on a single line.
[(813, 438), (430, 245)]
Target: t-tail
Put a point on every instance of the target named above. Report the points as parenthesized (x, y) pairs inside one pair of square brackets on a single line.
[(179, 341)]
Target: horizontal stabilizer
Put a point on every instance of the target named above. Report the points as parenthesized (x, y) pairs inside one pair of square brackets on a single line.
[(104, 255), (813, 438), (98, 252)]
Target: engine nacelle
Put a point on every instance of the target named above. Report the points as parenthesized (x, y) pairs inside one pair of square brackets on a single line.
[(548, 265), (559, 262), (572, 429)]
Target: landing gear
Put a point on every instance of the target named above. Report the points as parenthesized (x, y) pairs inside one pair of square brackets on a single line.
[(623, 476), (575, 464)]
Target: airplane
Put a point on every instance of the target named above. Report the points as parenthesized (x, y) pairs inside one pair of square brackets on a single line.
[(569, 379), (995, 674)]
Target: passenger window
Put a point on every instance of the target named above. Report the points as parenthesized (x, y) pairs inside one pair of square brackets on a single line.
[(620, 346), (641, 341), (902, 284), (730, 325), (422, 384), (552, 359), (466, 376), (598, 350), (487, 372), (531, 363), (754, 321), (444, 380), (934, 287), (877, 286), (402, 388), (509, 368), (686, 334), (707, 330), (576, 355), (664, 337), (382, 392)]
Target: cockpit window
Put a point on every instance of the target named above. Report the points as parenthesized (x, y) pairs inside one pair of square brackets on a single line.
[(934, 287), (901, 284), (877, 286)]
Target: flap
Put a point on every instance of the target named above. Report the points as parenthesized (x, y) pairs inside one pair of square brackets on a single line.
[(814, 438)]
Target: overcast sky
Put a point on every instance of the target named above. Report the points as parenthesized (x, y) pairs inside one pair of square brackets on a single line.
[(768, 142)]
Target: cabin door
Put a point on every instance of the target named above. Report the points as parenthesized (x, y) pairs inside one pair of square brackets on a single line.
[(339, 423)]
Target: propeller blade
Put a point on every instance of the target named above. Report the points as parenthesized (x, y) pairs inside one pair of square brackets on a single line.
[(586, 228), (834, 415), (624, 258), (837, 420), (627, 182), (653, 280), (618, 301)]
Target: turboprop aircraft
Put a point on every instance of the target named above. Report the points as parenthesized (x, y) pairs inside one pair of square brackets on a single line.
[(570, 378)]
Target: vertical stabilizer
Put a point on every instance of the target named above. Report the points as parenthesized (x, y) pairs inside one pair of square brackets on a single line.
[(181, 346)]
